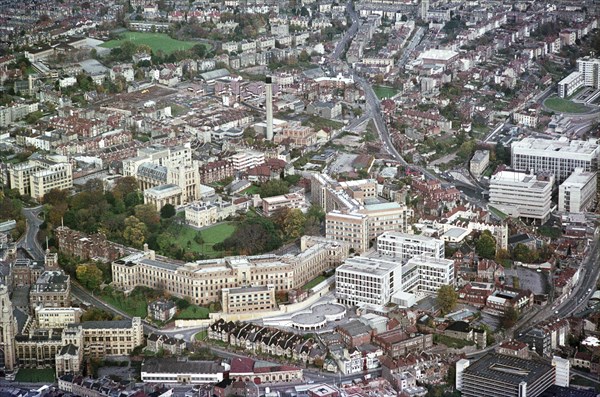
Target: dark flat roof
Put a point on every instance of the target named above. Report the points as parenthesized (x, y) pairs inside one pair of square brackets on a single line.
[(559, 391), (508, 369)]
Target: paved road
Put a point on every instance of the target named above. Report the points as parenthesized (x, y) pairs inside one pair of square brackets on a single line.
[(29, 241), (350, 33), (578, 297)]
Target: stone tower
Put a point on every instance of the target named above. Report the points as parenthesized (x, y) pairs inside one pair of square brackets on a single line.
[(51, 261), (8, 330)]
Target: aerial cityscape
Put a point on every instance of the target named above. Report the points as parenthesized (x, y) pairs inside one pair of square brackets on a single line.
[(299, 198)]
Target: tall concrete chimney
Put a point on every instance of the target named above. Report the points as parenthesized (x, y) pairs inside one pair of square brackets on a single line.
[(269, 106)]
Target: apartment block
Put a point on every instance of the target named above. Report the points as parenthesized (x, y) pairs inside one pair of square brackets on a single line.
[(578, 192), (202, 281), (560, 157), (522, 195), (248, 299), (9, 114), (216, 171), (38, 176), (404, 246)]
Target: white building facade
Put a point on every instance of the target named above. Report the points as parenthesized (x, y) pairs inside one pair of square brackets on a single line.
[(561, 156), (405, 246), (522, 195), (372, 281), (578, 192)]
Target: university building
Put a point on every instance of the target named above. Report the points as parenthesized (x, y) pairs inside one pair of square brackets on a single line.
[(522, 195), (404, 246), (202, 281), (248, 299), (354, 214), (157, 166), (560, 157), (38, 176)]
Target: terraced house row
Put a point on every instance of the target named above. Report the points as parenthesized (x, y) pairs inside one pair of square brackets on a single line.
[(272, 341)]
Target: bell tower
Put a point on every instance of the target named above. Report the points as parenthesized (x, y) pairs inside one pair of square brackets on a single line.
[(8, 330)]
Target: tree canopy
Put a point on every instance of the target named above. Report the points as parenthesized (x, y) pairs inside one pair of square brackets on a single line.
[(446, 298), (89, 275), (167, 211), (486, 245)]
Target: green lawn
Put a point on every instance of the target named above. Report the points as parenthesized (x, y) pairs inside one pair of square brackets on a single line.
[(192, 312), (451, 342), (211, 236), (319, 123), (251, 190), (314, 282), (384, 92), (497, 212), (35, 375), (178, 110), (565, 106), (579, 381), (134, 305), (156, 41), (202, 335)]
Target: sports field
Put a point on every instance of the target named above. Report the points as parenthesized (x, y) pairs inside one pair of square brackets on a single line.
[(384, 92), (565, 106), (156, 41)]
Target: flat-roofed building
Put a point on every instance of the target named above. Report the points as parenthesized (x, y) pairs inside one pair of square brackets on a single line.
[(570, 84), (578, 192), (522, 195), (37, 177), (351, 228), (57, 317), (359, 227), (248, 299), (560, 156), (479, 162), (370, 281), (432, 274), (290, 200), (172, 370), (247, 159), (506, 376), (438, 57), (405, 246)]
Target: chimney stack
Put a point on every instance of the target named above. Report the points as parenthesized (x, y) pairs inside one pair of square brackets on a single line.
[(269, 107)]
